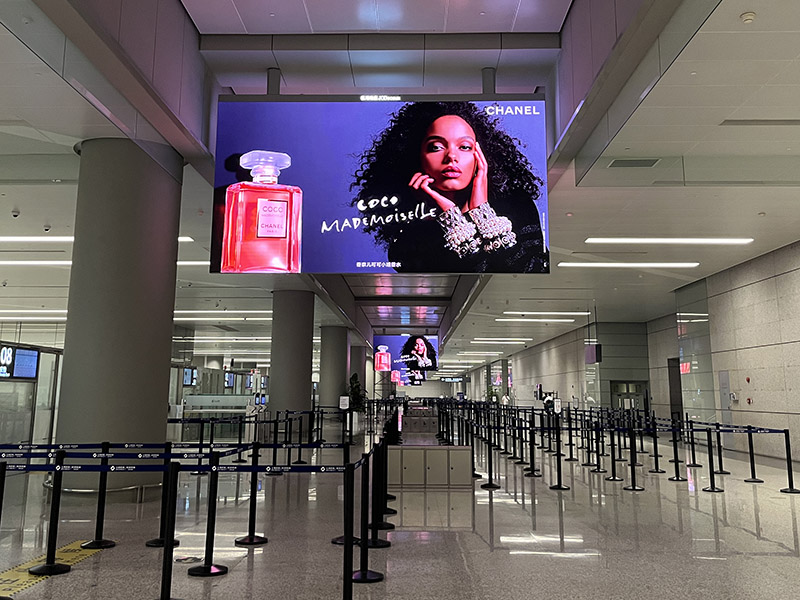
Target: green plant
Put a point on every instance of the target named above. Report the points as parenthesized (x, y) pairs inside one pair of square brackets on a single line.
[(358, 396)]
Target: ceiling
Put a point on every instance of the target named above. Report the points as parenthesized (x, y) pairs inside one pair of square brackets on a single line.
[(702, 184)]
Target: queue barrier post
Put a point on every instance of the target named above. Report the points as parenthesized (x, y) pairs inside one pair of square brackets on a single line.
[(633, 487), (721, 470), (711, 472), (752, 478), (208, 568), (239, 458), (2, 493), (251, 539), (50, 566), (559, 485), (471, 428), (675, 459), (377, 505), (613, 476), (490, 485), (789, 470), (171, 483), (273, 472), (347, 539), (364, 575), (656, 467), (100, 543), (570, 443), (200, 449), (379, 490), (300, 460), (159, 541), (694, 464), (597, 435), (385, 495)]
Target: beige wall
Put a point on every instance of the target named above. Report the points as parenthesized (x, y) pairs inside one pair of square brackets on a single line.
[(754, 317)]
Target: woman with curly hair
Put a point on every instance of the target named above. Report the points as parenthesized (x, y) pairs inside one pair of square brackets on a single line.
[(475, 186), (419, 355)]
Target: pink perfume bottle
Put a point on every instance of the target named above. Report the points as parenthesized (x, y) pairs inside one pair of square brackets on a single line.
[(262, 219)]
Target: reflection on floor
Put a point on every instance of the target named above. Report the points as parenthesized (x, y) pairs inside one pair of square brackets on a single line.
[(524, 540)]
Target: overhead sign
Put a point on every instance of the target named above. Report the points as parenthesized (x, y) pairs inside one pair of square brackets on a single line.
[(18, 363)]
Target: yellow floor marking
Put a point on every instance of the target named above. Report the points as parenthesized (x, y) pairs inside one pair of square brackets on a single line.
[(17, 579)]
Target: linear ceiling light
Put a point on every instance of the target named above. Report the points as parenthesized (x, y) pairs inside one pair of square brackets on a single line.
[(67, 263), (19, 239), (41, 319), (660, 240), (501, 343), (631, 265), (222, 319), (550, 313), (480, 353), (537, 320), (229, 312), (504, 339), (34, 311)]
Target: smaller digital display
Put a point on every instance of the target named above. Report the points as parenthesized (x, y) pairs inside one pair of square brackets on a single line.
[(229, 379), (187, 376), (26, 363), (248, 382)]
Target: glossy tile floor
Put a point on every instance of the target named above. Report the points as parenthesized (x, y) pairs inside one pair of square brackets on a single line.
[(522, 541)]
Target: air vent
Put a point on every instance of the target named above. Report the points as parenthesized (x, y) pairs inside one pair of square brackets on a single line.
[(633, 163), (761, 122)]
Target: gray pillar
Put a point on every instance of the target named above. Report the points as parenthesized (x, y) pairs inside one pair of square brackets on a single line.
[(358, 364), (487, 376), (292, 350), (334, 364), (214, 362), (117, 349), (504, 377)]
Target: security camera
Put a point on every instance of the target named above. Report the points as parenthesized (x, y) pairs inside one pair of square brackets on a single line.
[(47, 228), (15, 212)]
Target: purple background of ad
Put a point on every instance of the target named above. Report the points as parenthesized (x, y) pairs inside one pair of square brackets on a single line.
[(395, 344), (325, 140)]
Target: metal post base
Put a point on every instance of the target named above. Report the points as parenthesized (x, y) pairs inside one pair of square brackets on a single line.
[(656, 471), (560, 488), (633, 488), (339, 541), (367, 576), (722, 472), (389, 511), (299, 462), (714, 489), (573, 459), (615, 478), (207, 570), (532, 474), (390, 497), (790, 491), (678, 478), (250, 540), (159, 543), (753, 480), (53, 569), (381, 525), (598, 470), (694, 465), (477, 476), (490, 486), (98, 545)]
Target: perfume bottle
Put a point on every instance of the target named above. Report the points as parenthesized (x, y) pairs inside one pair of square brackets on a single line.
[(262, 219), (383, 359)]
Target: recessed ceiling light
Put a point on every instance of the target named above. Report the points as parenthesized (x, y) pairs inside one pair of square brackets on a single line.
[(569, 214), (631, 265), (665, 240)]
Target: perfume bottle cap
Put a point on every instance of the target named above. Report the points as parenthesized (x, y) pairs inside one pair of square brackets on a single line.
[(265, 163)]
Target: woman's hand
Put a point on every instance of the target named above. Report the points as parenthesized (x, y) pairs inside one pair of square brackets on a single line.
[(422, 182), (480, 183)]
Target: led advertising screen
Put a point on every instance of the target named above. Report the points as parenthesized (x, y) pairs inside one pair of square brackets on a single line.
[(411, 357), (348, 186), (187, 376), (18, 363), (229, 379)]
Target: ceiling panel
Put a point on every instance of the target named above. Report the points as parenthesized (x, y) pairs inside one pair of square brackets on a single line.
[(482, 15), (339, 16), (219, 16), (273, 16), (541, 15), (412, 15)]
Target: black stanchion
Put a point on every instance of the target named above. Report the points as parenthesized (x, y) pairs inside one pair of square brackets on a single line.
[(570, 444), (379, 490), (559, 484), (471, 427), (694, 464), (171, 483), (633, 487), (208, 568), (490, 485), (159, 541), (273, 472), (656, 468), (348, 540), (364, 575), (721, 470), (789, 471), (752, 478), (598, 433), (200, 449), (613, 476), (300, 460), (676, 460), (387, 497), (713, 487), (99, 543), (377, 506), (239, 458), (251, 539), (50, 566)]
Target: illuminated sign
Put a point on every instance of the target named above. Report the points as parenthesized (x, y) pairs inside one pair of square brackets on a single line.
[(18, 363), (410, 356), (347, 186)]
